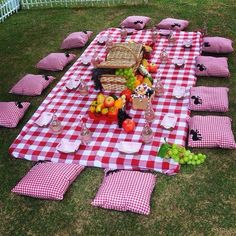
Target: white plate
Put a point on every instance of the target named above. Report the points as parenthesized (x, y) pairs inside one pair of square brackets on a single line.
[(178, 61), (169, 121), (130, 31), (102, 40), (67, 146), (73, 84), (179, 91), (86, 60), (164, 32), (187, 43), (129, 147), (44, 119)]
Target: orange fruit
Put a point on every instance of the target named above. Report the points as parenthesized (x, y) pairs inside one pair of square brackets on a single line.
[(118, 103), (137, 83), (140, 78)]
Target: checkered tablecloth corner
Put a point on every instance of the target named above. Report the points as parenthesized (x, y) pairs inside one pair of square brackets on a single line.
[(38, 143)]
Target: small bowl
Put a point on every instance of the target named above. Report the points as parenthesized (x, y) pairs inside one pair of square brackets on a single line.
[(129, 147)]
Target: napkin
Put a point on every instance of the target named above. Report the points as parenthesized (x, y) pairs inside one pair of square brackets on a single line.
[(72, 84), (44, 119), (67, 146), (169, 121), (179, 91), (129, 147)]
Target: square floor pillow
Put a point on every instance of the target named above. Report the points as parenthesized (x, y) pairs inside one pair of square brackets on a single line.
[(48, 180), (135, 22), (31, 85), (172, 23), (217, 45), (55, 61), (210, 132), (12, 112), (76, 40), (209, 99), (212, 66), (126, 191)]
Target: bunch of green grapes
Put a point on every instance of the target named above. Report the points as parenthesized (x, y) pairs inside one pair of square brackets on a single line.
[(129, 75), (183, 156)]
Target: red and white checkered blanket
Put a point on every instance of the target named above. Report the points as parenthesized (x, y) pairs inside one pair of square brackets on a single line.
[(35, 143)]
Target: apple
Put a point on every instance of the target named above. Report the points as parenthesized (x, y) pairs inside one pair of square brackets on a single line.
[(152, 68), (128, 125), (113, 111), (127, 92), (109, 101)]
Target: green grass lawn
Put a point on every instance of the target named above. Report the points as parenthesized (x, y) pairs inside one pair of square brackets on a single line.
[(200, 200)]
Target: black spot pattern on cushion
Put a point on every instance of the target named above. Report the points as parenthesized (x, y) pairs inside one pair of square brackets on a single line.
[(196, 136), (201, 67), (19, 105), (138, 22), (176, 25), (67, 54)]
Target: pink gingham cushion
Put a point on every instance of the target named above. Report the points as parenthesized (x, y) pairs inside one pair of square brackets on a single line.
[(48, 180), (12, 112), (172, 23), (31, 85), (76, 40), (209, 99), (126, 191), (55, 61), (135, 22), (212, 66), (210, 132), (217, 45)]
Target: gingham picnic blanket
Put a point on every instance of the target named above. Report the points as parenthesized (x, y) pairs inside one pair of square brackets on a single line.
[(39, 143)]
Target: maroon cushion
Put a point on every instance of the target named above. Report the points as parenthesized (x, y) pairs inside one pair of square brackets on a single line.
[(48, 180), (135, 22), (12, 112), (172, 23), (31, 85), (76, 40), (209, 99), (126, 191), (210, 132), (212, 66), (55, 61), (217, 45)]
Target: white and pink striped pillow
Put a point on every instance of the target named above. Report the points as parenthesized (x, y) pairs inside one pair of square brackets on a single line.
[(209, 99), (31, 85), (172, 23), (210, 132), (212, 66), (48, 180), (217, 45), (55, 61), (12, 112), (76, 39), (126, 191)]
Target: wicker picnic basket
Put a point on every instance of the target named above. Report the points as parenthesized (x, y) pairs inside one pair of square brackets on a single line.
[(120, 56)]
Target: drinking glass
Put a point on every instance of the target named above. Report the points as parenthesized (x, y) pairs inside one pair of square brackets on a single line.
[(147, 134), (55, 125)]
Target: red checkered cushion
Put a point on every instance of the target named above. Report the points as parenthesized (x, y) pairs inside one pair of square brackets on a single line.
[(55, 61), (210, 131), (135, 22), (212, 66), (12, 112), (76, 40), (209, 99), (48, 180), (172, 23), (31, 85), (126, 191), (217, 45)]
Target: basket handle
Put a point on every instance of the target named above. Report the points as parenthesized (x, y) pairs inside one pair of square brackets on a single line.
[(125, 47)]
